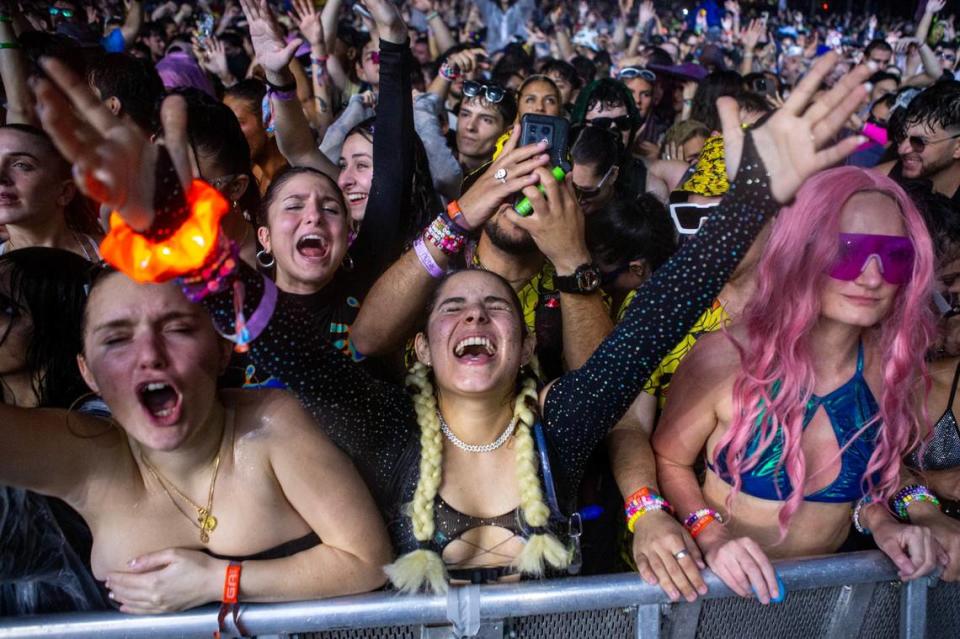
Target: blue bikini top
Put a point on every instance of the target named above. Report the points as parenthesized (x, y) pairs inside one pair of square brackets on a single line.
[(849, 408)]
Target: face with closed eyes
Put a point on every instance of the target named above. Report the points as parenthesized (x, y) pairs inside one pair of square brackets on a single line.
[(154, 358), (306, 232), (475, 339)]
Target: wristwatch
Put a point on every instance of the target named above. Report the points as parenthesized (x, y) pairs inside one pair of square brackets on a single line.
[(585, 280)]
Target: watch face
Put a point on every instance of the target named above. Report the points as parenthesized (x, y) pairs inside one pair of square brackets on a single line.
[(588, 280)]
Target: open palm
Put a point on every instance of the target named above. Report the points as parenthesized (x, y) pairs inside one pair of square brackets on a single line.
[(271, 51), (798, 140)]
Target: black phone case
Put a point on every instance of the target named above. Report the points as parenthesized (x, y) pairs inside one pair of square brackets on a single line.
[(556, 130)]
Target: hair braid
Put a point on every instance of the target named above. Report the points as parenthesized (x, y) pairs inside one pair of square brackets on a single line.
[(539, 546), (423, 568)]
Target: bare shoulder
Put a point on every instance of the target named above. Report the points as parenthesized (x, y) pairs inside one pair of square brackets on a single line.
[(271, 415), (713, 359)]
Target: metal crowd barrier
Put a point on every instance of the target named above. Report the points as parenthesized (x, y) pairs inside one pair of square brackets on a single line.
[(850, 596)]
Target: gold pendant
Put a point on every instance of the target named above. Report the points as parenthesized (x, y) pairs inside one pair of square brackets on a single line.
[(208, 523)]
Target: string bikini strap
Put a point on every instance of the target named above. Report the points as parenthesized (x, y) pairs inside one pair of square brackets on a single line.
[(860, 356), (953, 388)]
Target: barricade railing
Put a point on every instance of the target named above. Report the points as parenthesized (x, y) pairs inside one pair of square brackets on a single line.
[(848, 596)]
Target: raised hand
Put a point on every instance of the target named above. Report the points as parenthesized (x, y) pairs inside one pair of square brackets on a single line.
[(212, 56), (732, 6), (625, 7), (557, 223), (797, 141), (751, 34), (113, 162), (935, 6), (646, 14), (489, 192), (386, 15), (308, 22), (268, 44)]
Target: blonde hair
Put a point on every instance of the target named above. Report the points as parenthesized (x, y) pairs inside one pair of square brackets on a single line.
[(424, 568)]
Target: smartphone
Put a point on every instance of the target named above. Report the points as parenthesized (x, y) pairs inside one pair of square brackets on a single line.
[(555, 130), (764, 86), (361, 10)]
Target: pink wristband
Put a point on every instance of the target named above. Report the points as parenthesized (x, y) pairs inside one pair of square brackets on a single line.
[(426, 260)]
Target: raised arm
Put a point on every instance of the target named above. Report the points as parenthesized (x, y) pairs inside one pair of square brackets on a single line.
[(132, 22), (13, 72), (380, 238), (294, 137), (780, 155)]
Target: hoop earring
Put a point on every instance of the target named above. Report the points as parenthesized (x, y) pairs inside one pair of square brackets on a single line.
[(262, 261), (347, 263)]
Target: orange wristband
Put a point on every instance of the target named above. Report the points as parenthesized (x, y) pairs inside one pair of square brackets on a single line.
[(231, 584)]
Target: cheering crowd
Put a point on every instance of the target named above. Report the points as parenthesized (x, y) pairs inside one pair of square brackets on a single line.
[(302, 301)]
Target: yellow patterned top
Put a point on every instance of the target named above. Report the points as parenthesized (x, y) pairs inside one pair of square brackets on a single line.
[(711, 320)]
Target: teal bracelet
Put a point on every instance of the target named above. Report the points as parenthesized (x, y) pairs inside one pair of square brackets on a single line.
[(9, 45), (5, 18)]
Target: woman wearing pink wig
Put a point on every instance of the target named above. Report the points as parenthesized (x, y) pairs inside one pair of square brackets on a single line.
[(814, 388)]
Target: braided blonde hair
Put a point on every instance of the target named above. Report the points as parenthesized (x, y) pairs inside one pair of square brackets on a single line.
[(424, 568)]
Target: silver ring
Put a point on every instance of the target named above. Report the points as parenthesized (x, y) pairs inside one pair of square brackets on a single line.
[(680, 554), (500, 176)]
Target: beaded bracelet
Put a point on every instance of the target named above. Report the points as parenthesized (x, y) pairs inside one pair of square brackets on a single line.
[(909, 495), (446, 235), (640, 503), (426, 260), (700, 519), (857, 511)]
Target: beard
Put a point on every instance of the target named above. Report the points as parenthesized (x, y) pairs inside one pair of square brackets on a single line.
[(520, 244)]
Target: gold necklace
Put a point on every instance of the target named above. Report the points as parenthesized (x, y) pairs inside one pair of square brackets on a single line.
[(205, 520)]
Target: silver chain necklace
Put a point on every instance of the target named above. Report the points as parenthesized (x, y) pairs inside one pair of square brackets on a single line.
[(477, 448)]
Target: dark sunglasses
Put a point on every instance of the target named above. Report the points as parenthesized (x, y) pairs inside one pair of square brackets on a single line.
[(584, 194), (494, 94), (947, 303), (66, 13), (622, 123), (636, 72), (918, 143)]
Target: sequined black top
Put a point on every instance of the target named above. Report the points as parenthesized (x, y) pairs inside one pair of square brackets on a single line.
[(942, 451), (374, 421)]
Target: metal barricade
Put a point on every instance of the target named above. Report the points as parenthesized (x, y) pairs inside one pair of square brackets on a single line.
[(851, 596)]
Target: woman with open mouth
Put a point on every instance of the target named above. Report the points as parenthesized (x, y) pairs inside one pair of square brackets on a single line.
[(310, 222), (475, 470), (178, 486)]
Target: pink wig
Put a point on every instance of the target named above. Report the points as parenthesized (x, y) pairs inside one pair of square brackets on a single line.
[(784, 311)]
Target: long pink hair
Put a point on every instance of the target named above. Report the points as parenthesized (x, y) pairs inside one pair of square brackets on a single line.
[(779, 320)]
